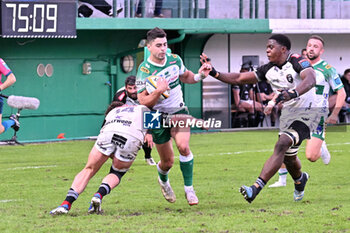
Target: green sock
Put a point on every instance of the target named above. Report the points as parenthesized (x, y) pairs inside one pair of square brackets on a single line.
[(187, 172), (162, 174)]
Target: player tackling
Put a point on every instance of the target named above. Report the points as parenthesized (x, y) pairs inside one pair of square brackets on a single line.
[(120, 138)]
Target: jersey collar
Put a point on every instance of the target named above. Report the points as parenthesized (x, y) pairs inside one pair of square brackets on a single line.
[(156, 64), (319, 62)]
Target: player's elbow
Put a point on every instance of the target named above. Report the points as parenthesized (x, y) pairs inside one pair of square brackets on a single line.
[(12, 79)]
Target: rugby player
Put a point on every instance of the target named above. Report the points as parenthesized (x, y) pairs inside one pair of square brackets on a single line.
[(120, 138), (293, 78), (326, 78), (10, 80), (172, 70), (128, 95)]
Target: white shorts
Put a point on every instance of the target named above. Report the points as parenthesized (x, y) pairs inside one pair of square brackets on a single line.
[(124, 147), (309, 116)]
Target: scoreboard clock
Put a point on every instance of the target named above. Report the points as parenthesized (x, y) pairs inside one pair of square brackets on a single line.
[(38, 18)]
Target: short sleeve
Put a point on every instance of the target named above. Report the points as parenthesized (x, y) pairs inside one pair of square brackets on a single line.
[(260, 73), (334, 80), (142, 74), (299, 63), (4, 69)]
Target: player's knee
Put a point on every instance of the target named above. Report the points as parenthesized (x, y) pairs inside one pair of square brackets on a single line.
[(118, 172), (311, 156), (282, 145), (184, 148), (166, 165)]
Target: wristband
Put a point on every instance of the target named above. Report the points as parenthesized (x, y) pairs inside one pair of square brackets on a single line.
[(271, 103), (293, 94), (214, 73), (199, 77)]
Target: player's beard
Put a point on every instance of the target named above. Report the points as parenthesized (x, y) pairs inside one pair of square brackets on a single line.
[(312, 57), (132, 96)]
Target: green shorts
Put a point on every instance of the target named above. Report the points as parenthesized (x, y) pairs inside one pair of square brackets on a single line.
[(163, 135), (320, 131)]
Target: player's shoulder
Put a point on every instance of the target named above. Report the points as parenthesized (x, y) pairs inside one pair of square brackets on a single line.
[(144, 69), (325, 67), (299, 62), (171, 57)]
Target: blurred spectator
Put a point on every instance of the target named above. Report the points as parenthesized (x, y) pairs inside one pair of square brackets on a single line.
[(303, 53), (244, 100), (157, 9), (346, 82), (333, 97)]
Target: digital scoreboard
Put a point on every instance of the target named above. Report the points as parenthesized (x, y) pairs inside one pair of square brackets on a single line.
[(38, 18)]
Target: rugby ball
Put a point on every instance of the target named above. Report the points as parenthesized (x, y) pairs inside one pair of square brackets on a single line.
[(151, 85)]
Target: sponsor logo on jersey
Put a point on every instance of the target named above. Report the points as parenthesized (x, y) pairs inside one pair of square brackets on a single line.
[(144, 69), (289, 78), (304, 63), (172, 62), (337, 81)]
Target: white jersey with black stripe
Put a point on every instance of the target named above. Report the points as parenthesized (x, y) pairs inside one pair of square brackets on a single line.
[(287, 77)]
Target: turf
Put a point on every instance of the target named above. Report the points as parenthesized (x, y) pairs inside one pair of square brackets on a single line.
[(36, 178)]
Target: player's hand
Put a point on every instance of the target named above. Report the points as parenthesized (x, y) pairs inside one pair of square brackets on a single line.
[(268, 110), (162, 85), (204, 58), (286, 95), (204, 70), (149, 140), (332, 119)]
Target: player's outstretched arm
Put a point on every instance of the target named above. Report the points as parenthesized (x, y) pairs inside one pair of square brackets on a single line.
[(230, 78), (191, 78)]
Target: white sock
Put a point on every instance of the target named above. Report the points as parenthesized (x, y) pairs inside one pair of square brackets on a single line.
[(188, 188), (282, 172)]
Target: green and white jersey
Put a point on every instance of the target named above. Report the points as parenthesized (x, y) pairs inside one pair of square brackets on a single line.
[(326, 78), (172, 68)]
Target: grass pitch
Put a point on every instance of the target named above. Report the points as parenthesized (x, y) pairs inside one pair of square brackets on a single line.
[(36, 178)]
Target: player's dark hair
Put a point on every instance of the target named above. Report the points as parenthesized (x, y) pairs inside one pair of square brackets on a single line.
[(316, 37), (303, 51), (155, 33), (130, 80), (282, 40), (346, 71), (113, 105)]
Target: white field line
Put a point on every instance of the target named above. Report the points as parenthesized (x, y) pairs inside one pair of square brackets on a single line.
[(30, 167), (13, 200)]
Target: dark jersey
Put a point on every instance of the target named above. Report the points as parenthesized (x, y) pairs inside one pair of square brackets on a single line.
[(347, 89), (123, 97), (263, 87), (243, 91), (120, 96)]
